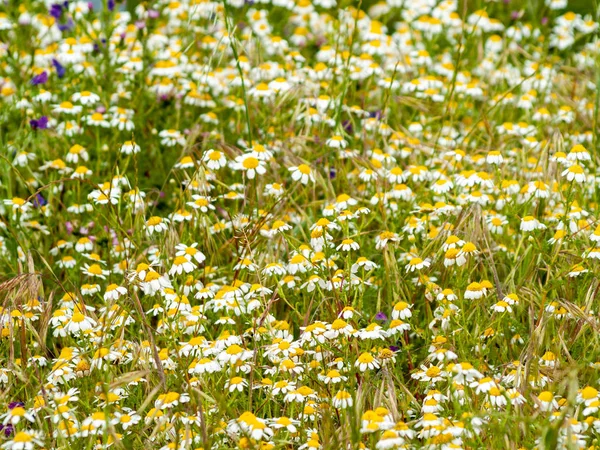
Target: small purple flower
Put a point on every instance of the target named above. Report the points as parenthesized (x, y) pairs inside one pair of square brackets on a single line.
[(380, 316), (85, 230), (43, 122), (332, 173), (394, 348), (347, 124), (66, 26), (40, 78), (69, 226), (38, 201), (545, 21), (56, 11), (13, 405), (60, 69), (153, 14), (375, 114), (7, 429), (39, 124), (111, 5)]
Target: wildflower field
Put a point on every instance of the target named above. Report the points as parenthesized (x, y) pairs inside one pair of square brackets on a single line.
[(285, 224)]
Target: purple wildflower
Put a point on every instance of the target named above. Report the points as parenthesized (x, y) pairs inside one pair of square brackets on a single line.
[(66, 26), (38, 201), (56, 11), (60, 70), (39, 124), (347, 124), (380, 316), (7, 429), (40, 78)]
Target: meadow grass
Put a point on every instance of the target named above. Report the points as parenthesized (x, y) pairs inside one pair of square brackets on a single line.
[(292, 224)]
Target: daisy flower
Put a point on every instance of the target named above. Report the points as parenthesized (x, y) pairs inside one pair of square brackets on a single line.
[(250, 165), (302, 173)]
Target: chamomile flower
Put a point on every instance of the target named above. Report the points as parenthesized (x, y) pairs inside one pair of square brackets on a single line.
[(79, 322), (250, 165), (24, 440), (130, 148), (366, 361), (302, 173), (214, 159), (574, 173), (85, 98), (156, 224)]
